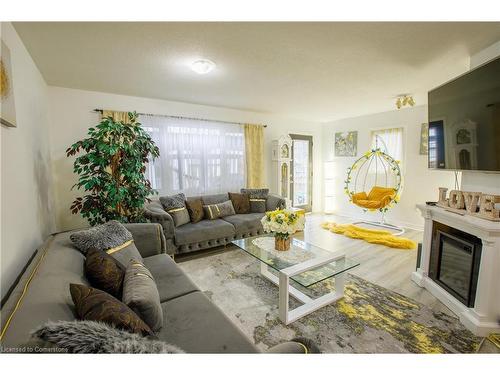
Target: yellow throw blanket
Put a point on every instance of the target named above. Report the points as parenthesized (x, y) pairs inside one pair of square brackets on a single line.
[(381, 237)]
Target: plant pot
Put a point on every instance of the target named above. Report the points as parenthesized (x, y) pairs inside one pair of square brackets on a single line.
[(281, 244)]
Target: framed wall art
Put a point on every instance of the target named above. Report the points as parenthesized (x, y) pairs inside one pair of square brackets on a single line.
[(7, 102), (346, 143), (424, 139)]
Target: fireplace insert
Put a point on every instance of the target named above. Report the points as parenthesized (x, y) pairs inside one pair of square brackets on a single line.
[(454, 263)]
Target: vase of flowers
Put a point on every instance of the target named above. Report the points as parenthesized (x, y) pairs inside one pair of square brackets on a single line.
[(283, 223)]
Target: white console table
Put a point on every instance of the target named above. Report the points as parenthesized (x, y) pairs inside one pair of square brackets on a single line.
[(483, 318)]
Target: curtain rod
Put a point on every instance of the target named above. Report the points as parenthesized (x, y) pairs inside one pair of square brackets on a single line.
[(184, 118)]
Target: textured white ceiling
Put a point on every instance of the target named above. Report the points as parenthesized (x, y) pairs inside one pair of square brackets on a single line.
[(313, 71)]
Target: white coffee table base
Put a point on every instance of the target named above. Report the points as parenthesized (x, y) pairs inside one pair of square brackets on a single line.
[(288, 316)]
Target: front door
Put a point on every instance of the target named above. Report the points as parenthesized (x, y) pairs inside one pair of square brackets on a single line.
[(301, 171)]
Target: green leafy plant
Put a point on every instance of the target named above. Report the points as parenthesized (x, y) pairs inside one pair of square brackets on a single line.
[(111, 171)]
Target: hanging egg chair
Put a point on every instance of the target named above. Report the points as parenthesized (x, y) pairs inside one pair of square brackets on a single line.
[(374, 183)]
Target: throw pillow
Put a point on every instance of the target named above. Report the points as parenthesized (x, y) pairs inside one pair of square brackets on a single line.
[(256, 193), (241, 202), (104, 272), (101, 237), (86, 336), (171, 202), (215, 211), (195, 209), (180, 216), (141, 295), (94, 304), (258, 198), (125, 253), (257, 205)]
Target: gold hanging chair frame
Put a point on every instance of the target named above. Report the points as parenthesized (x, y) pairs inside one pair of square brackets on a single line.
[(386, 189)]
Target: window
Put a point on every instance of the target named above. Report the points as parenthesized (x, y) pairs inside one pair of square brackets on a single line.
[(196, 156), (390, 141)]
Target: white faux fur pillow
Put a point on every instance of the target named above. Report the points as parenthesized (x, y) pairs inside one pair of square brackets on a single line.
[(86, 336)]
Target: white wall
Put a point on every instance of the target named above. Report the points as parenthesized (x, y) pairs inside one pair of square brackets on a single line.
[(420, 183), (478, 181), (71, 116), (26, 201)]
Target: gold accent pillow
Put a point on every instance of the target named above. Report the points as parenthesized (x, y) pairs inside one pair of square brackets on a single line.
[(258, 205), (118, 248), (215, 211), (180, 216), (140, 293), (125, 253)]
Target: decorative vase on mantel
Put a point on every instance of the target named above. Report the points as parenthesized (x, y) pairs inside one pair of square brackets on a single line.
[(281, 243)]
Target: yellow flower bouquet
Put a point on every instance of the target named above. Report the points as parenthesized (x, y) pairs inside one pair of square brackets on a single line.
[(282, 223)]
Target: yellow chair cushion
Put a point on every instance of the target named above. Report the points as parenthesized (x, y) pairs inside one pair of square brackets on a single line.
[(378, 197), (359, 196)]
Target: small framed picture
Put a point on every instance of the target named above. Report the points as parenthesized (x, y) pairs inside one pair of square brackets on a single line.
[(7, 103), (346, 143), (424, 139)]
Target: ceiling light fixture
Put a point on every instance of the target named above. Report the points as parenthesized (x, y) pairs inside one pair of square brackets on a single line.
[(404, 100), (202, 66)]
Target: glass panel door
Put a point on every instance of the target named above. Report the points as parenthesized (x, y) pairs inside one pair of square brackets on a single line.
[(301, 172)]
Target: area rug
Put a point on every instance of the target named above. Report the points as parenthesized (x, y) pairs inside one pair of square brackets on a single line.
[(370, 319)]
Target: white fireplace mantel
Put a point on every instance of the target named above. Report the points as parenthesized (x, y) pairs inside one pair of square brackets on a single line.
[(484, 317)]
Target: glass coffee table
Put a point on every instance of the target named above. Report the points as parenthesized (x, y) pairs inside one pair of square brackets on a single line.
[(305, 264)]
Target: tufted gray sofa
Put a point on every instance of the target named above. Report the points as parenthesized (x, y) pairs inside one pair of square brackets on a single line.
[(208, 233)]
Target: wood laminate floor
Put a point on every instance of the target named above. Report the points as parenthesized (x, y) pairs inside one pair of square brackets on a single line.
[(382, 265)]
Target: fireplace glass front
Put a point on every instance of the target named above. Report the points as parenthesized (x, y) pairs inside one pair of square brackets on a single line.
[(455, 259)]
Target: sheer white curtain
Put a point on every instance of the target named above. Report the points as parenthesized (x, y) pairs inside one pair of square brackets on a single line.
[(393, 139), (196, 156)]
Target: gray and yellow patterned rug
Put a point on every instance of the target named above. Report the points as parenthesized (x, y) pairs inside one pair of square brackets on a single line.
[(370, 319)]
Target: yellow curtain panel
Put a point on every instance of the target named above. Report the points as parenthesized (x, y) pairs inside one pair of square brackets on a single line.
[(254, 150), (116, 115)]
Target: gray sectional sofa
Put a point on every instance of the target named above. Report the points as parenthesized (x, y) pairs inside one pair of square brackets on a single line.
[(191, 321), (208, 233)]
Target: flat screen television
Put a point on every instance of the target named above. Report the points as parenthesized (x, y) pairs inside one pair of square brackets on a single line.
[(464, 121)]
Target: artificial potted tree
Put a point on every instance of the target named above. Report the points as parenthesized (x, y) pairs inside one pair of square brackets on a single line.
[(112, 171)]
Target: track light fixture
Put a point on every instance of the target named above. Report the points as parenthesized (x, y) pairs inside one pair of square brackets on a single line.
[(404, 100)]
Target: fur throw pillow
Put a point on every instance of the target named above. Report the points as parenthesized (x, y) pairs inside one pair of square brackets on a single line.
[(101, 237), (171, 202), (256, 193), (86, 336)]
